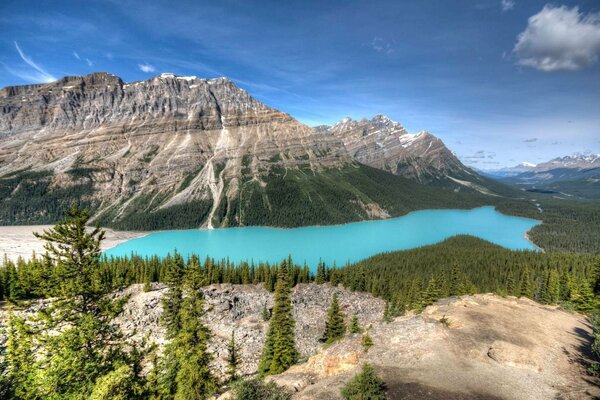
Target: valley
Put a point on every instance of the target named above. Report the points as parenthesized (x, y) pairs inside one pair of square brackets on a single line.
[(334, 200)]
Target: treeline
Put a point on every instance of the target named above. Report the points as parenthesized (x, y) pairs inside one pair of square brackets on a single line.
[(28, 197), (409, 279), (464, 264), (568, 225), (300, 197)]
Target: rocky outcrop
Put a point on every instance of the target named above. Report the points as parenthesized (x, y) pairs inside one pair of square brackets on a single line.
[(239, 308), (473, 347)]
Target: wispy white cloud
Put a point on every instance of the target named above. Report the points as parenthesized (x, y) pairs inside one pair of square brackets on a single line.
[(381, 46), (559, 39), (146, 68), (76, 55), (507, 5), (38, 74), (89, 62)]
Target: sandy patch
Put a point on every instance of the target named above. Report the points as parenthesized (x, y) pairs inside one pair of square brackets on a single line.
[(18, 241)]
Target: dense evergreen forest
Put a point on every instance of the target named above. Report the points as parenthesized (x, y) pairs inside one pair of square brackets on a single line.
[(408, 279), (299, 197), (70, 349), (568, 225)]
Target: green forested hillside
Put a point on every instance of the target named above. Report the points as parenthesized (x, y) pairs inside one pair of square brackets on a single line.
[(568, 225), (300, 197), (416, 276)]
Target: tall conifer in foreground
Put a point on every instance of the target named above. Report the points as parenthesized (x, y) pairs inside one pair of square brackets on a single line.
[(279, 351), (183, 371), (173, 299), (76, 345), (334, 326)]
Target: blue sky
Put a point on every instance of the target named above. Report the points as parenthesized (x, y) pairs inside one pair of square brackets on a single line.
[(500, 81)]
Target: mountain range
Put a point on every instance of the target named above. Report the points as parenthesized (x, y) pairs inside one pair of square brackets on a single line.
[(574, 175), (181, 151)]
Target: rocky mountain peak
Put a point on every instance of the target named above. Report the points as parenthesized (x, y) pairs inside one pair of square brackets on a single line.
[(172, 140), (382, 121)]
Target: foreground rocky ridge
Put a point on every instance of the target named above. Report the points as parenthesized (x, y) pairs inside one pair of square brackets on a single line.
[(473, 347), (128, 149), (239, 308)]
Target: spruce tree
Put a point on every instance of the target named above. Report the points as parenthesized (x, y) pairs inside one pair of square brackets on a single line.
[(279, 351), (551, 292), (364, 386), (76, 342), (334, 326), (266, 315), (388, 313), (526, 286), (173, 298), (321, 273), (17, 378), (583, 297), (233, 358), (183, 370), (431, 293), (354, 326), (455, 281)]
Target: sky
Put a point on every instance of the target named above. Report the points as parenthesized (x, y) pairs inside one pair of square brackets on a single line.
[(499, 81)]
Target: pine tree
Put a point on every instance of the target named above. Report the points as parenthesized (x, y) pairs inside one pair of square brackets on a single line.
[(279, 351), (334, 326), (183, 370), (266, 315), (366, 342), (77, 342), (354, 326), (364, 386), (173, 298), (551, 292), (526, 286), (233, 358)]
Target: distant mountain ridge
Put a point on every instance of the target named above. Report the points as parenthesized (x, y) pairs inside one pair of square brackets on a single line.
[(145, 151), (573, 175)]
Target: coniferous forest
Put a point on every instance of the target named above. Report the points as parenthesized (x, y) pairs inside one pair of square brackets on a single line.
[(84, 356)]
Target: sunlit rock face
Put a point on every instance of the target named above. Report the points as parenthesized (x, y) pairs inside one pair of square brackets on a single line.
[(172, 140)]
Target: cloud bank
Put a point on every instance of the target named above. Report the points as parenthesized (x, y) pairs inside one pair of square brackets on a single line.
[(559, 39)]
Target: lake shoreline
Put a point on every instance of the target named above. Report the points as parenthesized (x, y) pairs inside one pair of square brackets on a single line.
[(18, 240), (339, 244)]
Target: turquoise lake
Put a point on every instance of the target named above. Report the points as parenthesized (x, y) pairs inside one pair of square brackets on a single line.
[(338, 243)]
